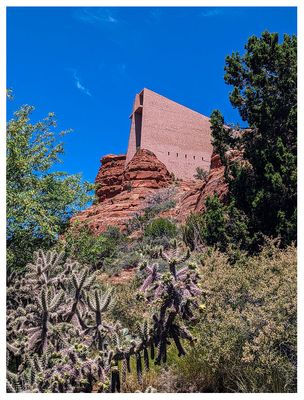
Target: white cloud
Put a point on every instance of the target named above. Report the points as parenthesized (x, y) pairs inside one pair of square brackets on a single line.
[(212, 12), (95, 16), (111, 19), (80, 86)]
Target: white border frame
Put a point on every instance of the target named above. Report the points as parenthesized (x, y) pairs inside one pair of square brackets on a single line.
[(199, 3)]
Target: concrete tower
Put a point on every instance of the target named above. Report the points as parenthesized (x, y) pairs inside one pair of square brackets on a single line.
[(178, 136)]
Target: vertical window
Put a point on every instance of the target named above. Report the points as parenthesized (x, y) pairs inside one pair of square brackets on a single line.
[(138, 123), (168, 153), (202, 158), (185, 155), (176, 154), (193, 157)]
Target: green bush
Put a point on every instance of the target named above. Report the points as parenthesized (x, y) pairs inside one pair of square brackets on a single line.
[(201, 174), (246, 337), (220, 225), (79, 243), (161, 227), (158, 202), (125, 300), (121, 260)]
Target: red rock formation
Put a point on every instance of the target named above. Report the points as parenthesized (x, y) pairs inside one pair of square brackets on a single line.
[(109, 179), (187, 194), (191, 195), (216, 181), (124, 189), (146, 171)]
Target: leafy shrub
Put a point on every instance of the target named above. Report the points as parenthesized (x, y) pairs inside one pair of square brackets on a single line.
[(128, 186), (161, 227), (219, 225), (125, 300), (137, 222), (79, 243), (201, 174), (246, 335), (192, 231), (158, 202), (122, 260)]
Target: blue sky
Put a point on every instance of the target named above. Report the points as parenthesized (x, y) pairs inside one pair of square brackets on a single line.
[(86, 64)]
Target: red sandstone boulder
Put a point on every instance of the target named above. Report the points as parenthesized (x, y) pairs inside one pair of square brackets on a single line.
[(109, 179), (146, 168)]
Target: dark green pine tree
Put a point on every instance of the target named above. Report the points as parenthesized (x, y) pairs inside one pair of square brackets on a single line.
[(264, 184)]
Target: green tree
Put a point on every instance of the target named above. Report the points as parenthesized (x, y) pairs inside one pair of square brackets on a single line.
[(78, 243), (40, 201), (160, 227), (220, 225), (264, 184)]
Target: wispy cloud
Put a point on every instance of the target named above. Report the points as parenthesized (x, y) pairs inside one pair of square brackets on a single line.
[(79, 85), (211, 12), (94, 15)]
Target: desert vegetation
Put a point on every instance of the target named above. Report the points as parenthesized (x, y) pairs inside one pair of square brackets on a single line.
[(204, 306)]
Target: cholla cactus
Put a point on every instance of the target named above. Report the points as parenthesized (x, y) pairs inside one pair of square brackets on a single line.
[(136, 345), (153, 275), (98, 304), (175, 256), (144, 334), (150, 251), (173, 294), (59, 339), (50, 309)]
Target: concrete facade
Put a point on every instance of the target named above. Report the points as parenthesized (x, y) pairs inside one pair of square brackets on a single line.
[(178, 136)]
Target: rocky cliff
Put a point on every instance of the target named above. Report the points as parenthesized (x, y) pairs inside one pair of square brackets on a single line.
[(123, 189)]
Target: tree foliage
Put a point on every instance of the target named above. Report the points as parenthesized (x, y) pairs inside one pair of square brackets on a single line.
[(160, 227), (222, 226), (264, 184), (80, 244), (40, 201)]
